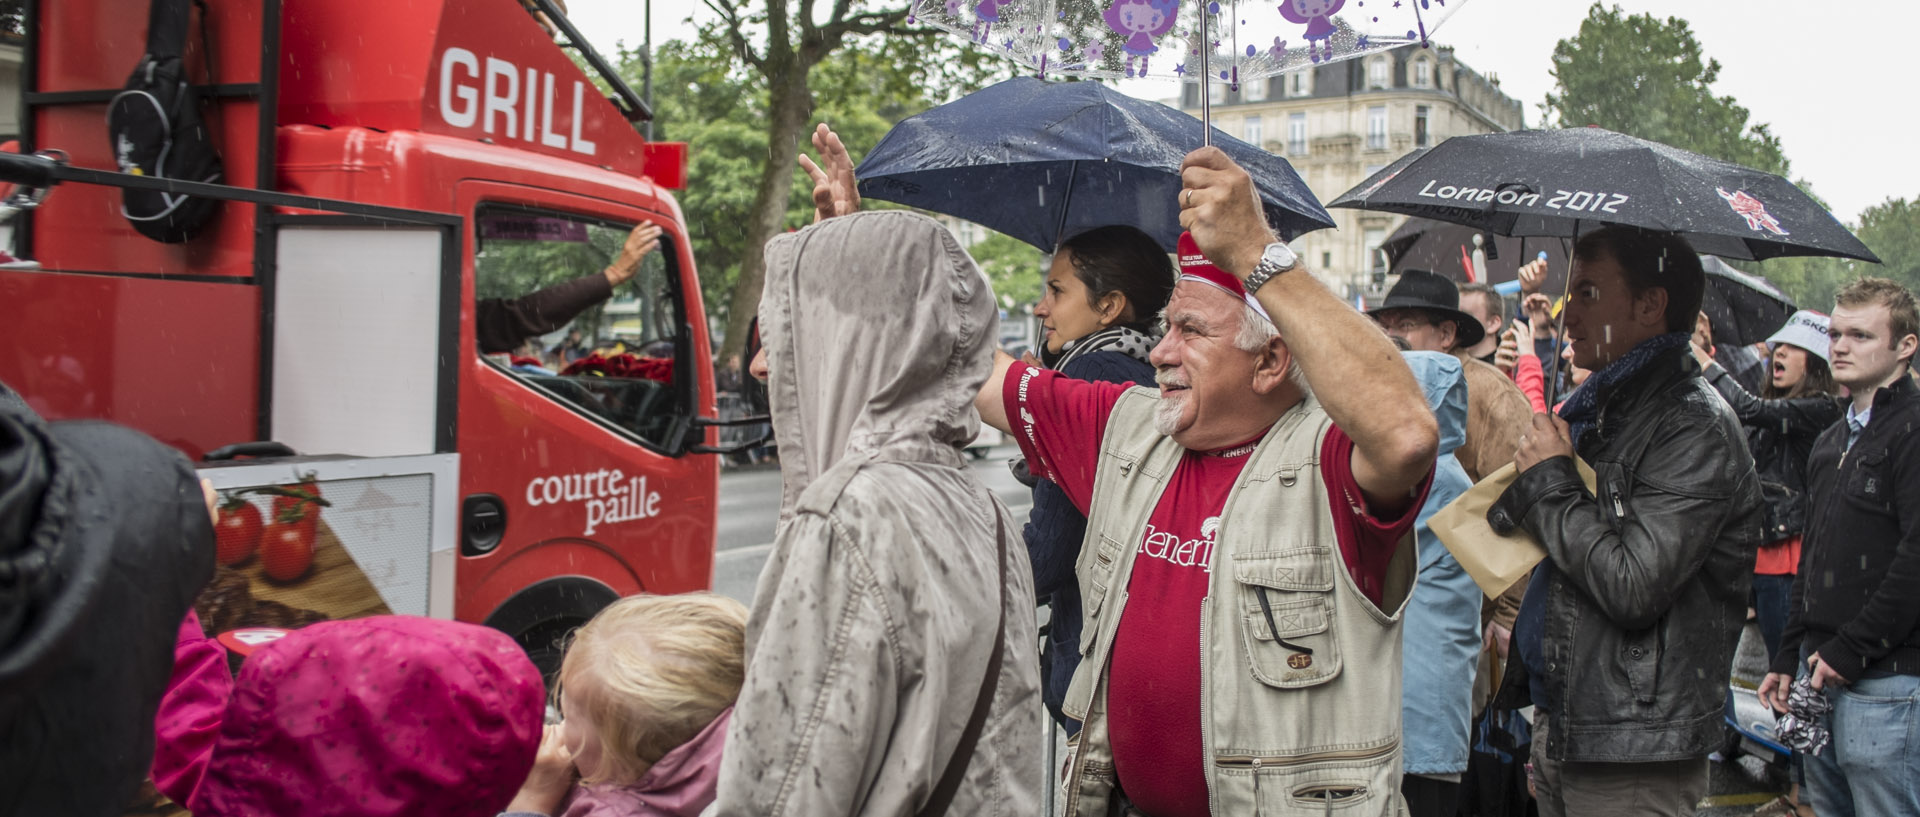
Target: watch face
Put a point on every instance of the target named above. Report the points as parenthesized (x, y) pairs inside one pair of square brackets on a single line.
[(1279, 254)]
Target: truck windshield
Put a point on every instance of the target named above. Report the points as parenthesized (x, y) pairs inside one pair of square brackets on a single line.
[(543, 315)]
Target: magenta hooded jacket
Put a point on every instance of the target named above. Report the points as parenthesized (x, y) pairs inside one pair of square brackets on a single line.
[(389, 716)]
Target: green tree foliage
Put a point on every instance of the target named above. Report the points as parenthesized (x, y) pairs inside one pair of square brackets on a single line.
[(720, 105), (1891, 229), (1647, 77), (1015, 268)]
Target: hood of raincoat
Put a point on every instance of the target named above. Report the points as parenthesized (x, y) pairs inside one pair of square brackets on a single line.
[(878, 329), (681, 784), (390, 716), (104, 541), (1443, 379)]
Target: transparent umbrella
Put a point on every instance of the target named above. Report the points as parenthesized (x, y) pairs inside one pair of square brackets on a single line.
[(1201, 41)]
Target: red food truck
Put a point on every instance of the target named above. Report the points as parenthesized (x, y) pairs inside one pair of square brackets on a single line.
[(391, 172)]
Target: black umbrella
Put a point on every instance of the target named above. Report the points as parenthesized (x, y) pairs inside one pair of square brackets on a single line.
[(1423, 243), (1042, 161), (1563, 182), (1744, 309)]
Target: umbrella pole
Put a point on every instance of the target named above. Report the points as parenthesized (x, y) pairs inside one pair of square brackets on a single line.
[(1206, 99), (1066, 202), (1560, 323)]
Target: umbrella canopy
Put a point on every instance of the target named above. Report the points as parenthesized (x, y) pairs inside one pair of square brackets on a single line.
[(1423, 243), (1043, 161), (1744, 309), (1242, 40), (1562, 182)]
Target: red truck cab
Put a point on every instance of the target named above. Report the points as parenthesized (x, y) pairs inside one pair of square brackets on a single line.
[(398, 168)]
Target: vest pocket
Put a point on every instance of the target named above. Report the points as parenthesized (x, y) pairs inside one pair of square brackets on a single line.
[(1096, 570), (1292, 589), (1305, 654)]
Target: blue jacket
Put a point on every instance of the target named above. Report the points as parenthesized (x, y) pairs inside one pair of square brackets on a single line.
[(1441, 637), (1053, 533)]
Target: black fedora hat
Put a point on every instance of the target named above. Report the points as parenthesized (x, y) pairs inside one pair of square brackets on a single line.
[(1432, 292)]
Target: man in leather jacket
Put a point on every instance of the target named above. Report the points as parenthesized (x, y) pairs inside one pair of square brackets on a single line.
[(1626, 634)]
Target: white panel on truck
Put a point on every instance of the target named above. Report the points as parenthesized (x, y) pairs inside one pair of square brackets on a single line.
[(356, 339)]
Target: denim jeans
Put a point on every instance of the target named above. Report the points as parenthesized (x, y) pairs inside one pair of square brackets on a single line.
[(1872, 768)]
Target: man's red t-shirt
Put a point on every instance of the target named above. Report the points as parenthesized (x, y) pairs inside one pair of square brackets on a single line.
[(1154, 673)]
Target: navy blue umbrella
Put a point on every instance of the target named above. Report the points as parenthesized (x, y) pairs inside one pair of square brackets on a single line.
[(1042, 161)]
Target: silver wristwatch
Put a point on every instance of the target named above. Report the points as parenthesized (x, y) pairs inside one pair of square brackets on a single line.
[(1276, 259)]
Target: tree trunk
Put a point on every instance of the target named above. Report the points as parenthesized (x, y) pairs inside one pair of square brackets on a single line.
[(790, 104)]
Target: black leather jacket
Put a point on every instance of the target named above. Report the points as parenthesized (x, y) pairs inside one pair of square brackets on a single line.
[(1780, 433), (1649, 589)]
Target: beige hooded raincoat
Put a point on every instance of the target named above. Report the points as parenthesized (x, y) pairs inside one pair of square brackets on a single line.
[(873, 621)]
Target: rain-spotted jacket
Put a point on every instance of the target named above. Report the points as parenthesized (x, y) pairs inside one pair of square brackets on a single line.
[(873, 620)]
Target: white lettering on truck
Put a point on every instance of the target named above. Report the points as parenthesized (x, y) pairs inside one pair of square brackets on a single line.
[(610, 497), (500, 103)]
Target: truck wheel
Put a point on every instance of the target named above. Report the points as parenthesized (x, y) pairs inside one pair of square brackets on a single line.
[(546, 645), (543, 614)]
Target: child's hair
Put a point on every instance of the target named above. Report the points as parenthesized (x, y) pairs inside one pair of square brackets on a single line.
[(651, 671)]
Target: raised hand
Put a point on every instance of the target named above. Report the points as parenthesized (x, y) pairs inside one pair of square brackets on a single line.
[(834, 190), (644, 239), (1532, 275), (1219, 206)]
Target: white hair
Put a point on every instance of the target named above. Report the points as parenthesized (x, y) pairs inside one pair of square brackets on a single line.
[(1254, 335)]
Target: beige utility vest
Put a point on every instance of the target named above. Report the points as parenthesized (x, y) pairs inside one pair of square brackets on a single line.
[(1285, 732)]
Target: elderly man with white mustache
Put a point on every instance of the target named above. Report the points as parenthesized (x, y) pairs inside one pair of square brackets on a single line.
[(1249, 550)]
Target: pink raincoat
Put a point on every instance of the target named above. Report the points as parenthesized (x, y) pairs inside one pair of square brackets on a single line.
[(390, 716), (680, 785)]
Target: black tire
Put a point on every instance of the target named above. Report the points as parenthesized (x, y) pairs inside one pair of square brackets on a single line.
[(546, 645)]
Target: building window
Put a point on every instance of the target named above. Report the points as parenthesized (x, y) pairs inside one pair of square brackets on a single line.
[(1255, 91), (1377, 73), (1326, 260), (1376, 260), (1297, 135), (1422, 74), (1253, 131), (1300, 83), (1377, 127), (1216, 92), (1420, 133)]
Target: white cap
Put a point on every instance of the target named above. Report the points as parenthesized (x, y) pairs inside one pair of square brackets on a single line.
[(1807, 329)]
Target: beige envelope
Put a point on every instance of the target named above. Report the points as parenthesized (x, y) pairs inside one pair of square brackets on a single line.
[(1495, 562)]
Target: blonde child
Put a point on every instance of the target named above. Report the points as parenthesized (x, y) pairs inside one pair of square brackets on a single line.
[(646, 689)]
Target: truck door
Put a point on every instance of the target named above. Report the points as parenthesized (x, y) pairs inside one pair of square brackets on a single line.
[(578, 486)]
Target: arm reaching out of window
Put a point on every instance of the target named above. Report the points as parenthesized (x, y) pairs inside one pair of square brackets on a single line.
[(644, 239)]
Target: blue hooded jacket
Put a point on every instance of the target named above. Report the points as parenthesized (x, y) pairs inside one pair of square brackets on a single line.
[(1441, 637)]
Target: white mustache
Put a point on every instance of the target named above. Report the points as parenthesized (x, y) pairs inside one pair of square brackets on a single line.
[(1171, 377)]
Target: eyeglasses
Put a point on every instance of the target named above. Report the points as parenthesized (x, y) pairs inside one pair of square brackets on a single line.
[(1405, 325)]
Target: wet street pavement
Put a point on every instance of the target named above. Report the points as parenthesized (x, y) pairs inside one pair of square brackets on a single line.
[(750, 506)]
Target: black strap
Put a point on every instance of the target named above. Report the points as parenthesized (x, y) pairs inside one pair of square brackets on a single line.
[(1268, 610), (942, 797)]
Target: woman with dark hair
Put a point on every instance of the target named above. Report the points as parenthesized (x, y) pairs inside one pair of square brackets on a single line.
[(1797, 404), (1104, 292)]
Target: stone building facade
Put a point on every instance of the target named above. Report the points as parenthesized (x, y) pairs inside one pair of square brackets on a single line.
[(1339, 123)]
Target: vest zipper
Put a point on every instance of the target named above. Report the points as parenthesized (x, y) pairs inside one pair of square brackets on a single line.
[(1256, 788), (1262, 761), (1257, 762)]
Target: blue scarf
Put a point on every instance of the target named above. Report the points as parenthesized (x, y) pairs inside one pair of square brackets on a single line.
[(1583, 406)]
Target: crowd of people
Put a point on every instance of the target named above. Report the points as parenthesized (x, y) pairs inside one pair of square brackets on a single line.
[(1234, 473)]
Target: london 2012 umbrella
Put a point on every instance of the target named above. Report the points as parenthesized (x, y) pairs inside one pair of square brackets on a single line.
[(1202, 41), (1042, 161), (1564, 182)]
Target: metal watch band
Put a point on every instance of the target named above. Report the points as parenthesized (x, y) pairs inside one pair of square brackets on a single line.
[(1262, 273)]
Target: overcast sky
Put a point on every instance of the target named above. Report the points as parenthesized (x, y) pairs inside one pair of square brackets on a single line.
[(1835, 86)]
